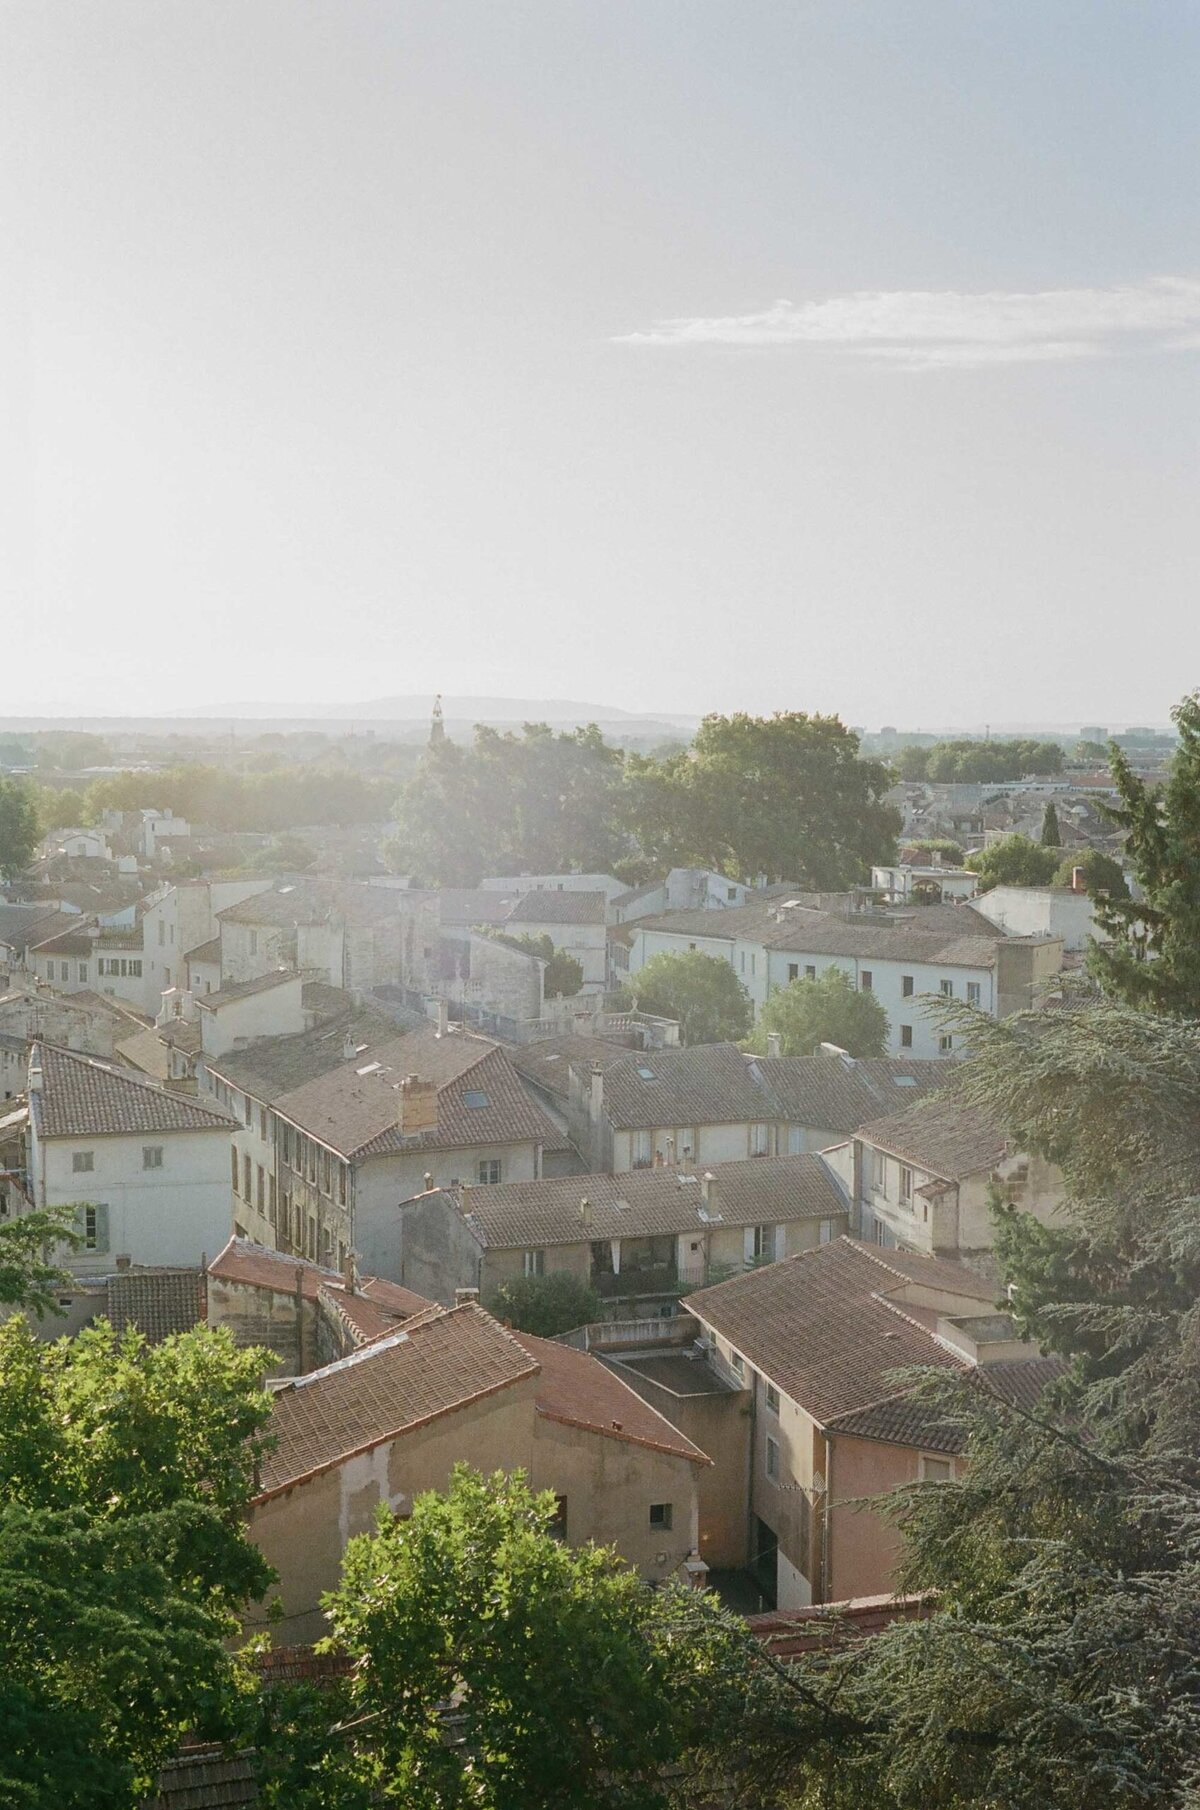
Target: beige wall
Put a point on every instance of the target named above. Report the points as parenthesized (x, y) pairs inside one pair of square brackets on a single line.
[(864, 1547), (609, 1485)]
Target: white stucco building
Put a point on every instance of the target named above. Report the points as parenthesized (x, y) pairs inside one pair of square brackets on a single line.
[(146, 1169)]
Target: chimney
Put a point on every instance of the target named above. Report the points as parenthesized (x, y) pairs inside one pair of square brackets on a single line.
[(416, 1106), (36, 1076), (428, 1181), (585, 1213), (124, 1261), (708, 1191), (774, 1044), (1078, 880), (349, 1274), (443, 1018), (349, 1048), (464, 1296), (596, 1103)]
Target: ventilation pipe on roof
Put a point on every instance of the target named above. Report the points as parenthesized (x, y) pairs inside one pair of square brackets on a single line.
[(349, 1048), (774, 1044), (585, 1213), (443, 1018), (708, 1190)]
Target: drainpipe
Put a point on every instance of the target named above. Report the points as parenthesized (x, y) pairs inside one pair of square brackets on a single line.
[(752, 1517), (827, 1522)]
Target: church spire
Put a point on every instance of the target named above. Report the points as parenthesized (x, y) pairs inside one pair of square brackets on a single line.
[(437, 728)]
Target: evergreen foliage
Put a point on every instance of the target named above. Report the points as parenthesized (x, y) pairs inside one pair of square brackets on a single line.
[(1051, 834), (18, 828), (546, 1305), (832, 1009), (701, 992)]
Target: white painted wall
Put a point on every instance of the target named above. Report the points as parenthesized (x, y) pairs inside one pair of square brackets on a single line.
[(169, 1215), (1041, 911)]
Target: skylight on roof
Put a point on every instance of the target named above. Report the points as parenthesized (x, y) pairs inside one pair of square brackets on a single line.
[(906, 1080), (474, 1098), (369, 1068), (647, 1074)]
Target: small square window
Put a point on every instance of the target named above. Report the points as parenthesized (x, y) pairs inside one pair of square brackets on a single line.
[(489, 1170), (906, 986), (793, 971), (152, 1156), (83, 1162), (535, 1263), (935, 1470), (945, 1045), (810, 972), (906, 1036), (660, 1515)]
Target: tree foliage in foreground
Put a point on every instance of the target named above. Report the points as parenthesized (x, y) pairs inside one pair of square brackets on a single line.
[(1152, 956), (1060, 1665), (568, 1680), (124, 1473), (1014, 861), (546, 1305), (18, 828), (701, 992), (807, 1013)]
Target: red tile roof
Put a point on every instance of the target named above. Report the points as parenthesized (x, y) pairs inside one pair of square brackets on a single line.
[(81, 1096), (579, 1391), (259, 1267)]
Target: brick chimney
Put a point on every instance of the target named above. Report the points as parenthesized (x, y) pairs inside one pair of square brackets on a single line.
[(416, 1106)]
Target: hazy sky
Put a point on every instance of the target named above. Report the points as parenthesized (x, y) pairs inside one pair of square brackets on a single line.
[(670, 354)]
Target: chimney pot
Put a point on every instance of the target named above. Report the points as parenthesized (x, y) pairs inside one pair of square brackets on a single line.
[(464, 1295)]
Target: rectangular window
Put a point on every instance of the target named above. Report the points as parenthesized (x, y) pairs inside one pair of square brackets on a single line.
[(759, 1139), (162, 932), (342, 1183), (866, 980), (906, 1036), (558, 1526), (95, 1228), (643, 1149), (249, 1111), (935, 1470), (489, 1169), (535, 1263), (83, 974), (906, 1185), (772, 1459), (660, 1515), (827, 1233), (83, 1162), (152, 1156), (135, 968), (945, 1045), (254, 942), (906, 986), (246, 1195), (737, 1363), (772, 1398), (946, 989), (271, 1196), (810, 973), (793, 971), (261, 1188), (233, 1163), (262, 1123), (326, 1172), (753, 960), (762, 1243), (974, 993)]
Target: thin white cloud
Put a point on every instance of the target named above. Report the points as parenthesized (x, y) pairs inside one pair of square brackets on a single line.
[(924, 329)]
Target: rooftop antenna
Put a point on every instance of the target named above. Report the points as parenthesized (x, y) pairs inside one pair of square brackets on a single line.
[(437, 728)]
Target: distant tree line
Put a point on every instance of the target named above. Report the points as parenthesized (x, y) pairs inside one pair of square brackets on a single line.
[(781, 797), (281, 798), (979, 763)]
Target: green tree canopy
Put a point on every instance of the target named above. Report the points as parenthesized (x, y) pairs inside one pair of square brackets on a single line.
[(1100, 873), (786, 797), (1014, 861), (570, 1682), (1051, 834), (701, 991), (807, 1013), (991, 762), (547, 1305), (1152, 957), (18, 828), (125, 1471), (1062, 1561), (938, 845)]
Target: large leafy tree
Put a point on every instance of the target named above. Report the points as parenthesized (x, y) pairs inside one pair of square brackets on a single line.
[(125, 1471), (1101, 873), (1152, 953), (1014, 861), (18, 828), (547, 1305), (1058, 1665), (807, 1013), (787, 797), (701, 992), (493, 1667)]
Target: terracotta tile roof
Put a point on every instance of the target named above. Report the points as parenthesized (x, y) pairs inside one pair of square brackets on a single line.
[(1021, 1383), (259, 1267), (282, 906), (205, 1778), (547, 1064), (454, 1357), (158, 1302), (829, 1327), (362, 1319), (805, 931), (943, 1136), (577, 1390), (900, 1420), (787, 1633), (559, 908), (82, 1096), (645, 1202), (271, 1066), (839, 1094), (78, 940), (463, 906), (480, 1098), (205, 952), (712, 1084)]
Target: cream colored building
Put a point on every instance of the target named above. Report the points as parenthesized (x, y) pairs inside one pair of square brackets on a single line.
[(455, 1387)]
